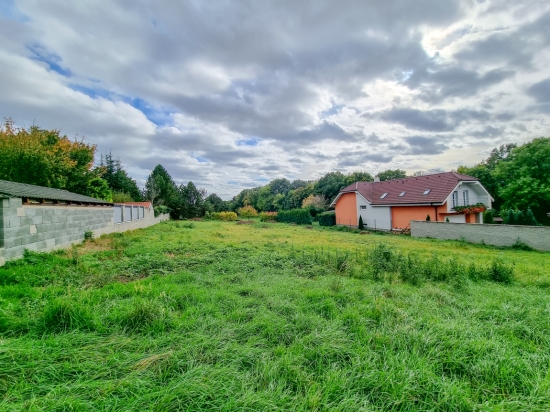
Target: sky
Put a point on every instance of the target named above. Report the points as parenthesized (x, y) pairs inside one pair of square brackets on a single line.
[(233, 94)]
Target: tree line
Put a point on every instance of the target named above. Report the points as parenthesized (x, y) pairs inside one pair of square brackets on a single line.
[(518, 177)]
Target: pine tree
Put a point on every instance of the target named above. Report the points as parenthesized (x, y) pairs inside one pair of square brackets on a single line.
[(511, 217), (428, 218), (361, 225), (530, 218)]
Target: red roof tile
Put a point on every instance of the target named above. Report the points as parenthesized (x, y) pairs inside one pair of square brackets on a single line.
[(439, 184), (144, 204)]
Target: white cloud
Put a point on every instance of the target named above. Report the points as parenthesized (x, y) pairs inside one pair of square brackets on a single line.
[(230, 94)]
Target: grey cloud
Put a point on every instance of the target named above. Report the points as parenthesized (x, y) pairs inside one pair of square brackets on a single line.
[(540, 91), (433, 120), (439, 84), (425, 145)]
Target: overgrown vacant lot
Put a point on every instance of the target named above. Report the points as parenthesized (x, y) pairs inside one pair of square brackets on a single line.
[(219, 316)]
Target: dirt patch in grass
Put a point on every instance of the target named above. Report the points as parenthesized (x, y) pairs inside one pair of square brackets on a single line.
[(97, 245), (245, 222)]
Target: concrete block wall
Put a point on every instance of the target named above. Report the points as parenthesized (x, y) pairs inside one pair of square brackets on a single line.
[(46, 228), (538, 237)]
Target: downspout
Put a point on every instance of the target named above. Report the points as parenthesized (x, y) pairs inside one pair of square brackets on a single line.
[(435, 209)]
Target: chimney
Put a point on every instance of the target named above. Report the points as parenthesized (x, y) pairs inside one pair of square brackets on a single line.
[(376, 179)]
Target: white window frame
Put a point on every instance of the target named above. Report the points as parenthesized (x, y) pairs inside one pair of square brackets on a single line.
[(466, 197), (455, 198)]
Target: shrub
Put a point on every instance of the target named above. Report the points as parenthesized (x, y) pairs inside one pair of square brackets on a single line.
[(327, 219), (361, 225), (89, 235), (247, 211), (298, 216), (225, 216), (428, 218), (161, 210), (501, 272), (530, 219), (488, 216), (267, 216), (122, 197)]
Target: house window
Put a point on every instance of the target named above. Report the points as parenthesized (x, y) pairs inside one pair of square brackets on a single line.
[(363, 207), (466, 197), (455, 198), (384, 195), (402, 194), (427, 191)]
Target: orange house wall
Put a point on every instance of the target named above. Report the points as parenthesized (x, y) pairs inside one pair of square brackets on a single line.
[(402, 215), (346, 210)]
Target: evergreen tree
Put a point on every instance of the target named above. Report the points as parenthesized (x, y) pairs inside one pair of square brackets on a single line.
[(530, 218), (511, 217), (361, 225)]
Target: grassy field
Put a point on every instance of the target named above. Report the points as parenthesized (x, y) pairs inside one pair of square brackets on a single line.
[(219, 316)]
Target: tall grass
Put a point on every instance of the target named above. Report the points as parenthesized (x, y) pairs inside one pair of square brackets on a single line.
[(227, 317)]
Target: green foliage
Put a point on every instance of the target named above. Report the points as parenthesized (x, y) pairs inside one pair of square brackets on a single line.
[(161, 210), (268, 216), (361, 225), (118, 180), (217, 203), (327, 219), (45, 158), (225, 216), (99, 189), (298, 216), (88, 235), (428, 218), (189, 203), (121, 197), (247, 211), (501, 272), (519, 217), (391, 174), (488, 217), (160, 188)]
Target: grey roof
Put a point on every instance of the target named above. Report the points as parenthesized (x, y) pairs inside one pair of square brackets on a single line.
[(14, 189)]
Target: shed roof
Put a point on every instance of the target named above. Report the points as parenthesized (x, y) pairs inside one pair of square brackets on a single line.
[(14, 189), (411, 189)]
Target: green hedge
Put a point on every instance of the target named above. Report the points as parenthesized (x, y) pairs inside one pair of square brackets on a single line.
[(327, 218), (299, 216)]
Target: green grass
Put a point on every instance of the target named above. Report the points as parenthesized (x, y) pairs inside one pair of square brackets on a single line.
[(218, 316)]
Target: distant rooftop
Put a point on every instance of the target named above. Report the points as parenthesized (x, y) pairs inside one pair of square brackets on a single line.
[(23, 190)]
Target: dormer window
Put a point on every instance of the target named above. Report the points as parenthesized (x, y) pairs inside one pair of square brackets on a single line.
[(402, 194), (427, 191), (384, 195)]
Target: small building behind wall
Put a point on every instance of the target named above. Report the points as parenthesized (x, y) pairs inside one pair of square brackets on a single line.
[(43, 219)]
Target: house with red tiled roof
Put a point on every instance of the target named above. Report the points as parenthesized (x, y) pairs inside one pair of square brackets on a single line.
[(394, 203)]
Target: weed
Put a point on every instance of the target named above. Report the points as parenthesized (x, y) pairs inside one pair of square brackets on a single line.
[(89, 235), (64, 316)]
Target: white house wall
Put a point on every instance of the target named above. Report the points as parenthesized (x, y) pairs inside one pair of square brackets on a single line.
[(476, 194), (459, 218), (378, 217)]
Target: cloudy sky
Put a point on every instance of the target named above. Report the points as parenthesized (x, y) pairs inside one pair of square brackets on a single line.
[(232, 94)]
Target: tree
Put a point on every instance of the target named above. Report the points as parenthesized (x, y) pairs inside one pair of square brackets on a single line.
[(190, 201), (161, 189), (118, 178), (359, 177), (391, 174), (280, 186), (331, 184), (45, 158), (217, 203), (361, 224), (524, 177)]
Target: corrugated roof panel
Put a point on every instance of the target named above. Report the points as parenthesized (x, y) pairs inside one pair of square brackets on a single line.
[(14, 189)]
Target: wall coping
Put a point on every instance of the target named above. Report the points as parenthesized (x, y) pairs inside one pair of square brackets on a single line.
[(484, 224)]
